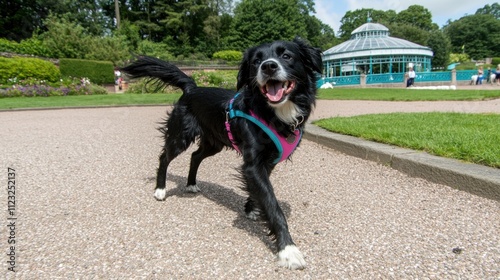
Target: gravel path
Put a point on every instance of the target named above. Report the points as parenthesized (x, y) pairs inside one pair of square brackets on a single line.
[(85, 207), (329, 108)]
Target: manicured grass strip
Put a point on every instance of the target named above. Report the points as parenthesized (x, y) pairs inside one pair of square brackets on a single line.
[(468, 137), (403, 94), (386, 94), (87, 100)]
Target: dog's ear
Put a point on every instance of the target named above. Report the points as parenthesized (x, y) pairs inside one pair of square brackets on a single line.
[(310, 55), (244, 73)]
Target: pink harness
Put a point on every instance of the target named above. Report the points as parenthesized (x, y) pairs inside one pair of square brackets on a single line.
[(284, 145)]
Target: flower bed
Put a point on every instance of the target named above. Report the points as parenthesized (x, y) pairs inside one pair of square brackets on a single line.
[(33, 87)]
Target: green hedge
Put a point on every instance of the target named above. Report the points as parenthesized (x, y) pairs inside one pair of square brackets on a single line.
[(495, 61), (98, 72), (228, 55), (31, 46), (20, 68)]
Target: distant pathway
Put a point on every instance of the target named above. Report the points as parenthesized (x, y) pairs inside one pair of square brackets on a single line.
[(333, 108)]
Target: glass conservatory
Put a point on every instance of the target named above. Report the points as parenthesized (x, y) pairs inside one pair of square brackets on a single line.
[(371, 50)]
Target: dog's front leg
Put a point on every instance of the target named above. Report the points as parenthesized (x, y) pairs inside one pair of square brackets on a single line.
[(261, 191)]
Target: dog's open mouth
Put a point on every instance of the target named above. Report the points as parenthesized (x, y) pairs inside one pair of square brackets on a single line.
[(276, 91)]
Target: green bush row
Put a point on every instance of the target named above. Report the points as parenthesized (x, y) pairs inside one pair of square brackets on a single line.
[(98, 72), (228, 55), (31, 46), (223, 78), (495, 61), (20, 68), (220, 78)]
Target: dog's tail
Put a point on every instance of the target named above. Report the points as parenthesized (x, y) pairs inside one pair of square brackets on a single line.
[(156, 69)]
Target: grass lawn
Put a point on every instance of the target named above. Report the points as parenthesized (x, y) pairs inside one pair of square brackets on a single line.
[(162, 99), (87, 100), (468, 137), (403, 94)]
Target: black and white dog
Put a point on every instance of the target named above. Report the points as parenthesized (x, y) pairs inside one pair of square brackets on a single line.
[(264, 120)]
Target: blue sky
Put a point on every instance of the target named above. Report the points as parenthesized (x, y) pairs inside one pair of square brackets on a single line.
[(331, 11)]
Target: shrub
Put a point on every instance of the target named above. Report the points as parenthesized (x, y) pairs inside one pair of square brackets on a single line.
[(223, 79), (495, 61), (21, 68), (459, 57), (66, 39), (99, 72), (228, 55), (8, 46), (111, 48), (143, 86), (159, 50)]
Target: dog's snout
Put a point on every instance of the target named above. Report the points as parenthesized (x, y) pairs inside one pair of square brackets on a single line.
[(269, 67)]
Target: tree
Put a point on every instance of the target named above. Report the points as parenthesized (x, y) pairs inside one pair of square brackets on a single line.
[(319, 34), (441, 46), (409, 32), (64, 38), (258, 21), (354, 19), (476, 34), (494, 10), (417, 16), (19, 19), (88, 14)]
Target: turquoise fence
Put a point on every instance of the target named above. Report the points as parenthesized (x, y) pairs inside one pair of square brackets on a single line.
[(433, 77), (341, 80), (385, 78), (356, 80), (465, 75)]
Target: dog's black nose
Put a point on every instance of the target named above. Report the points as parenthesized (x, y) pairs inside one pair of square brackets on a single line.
[(269, 67)]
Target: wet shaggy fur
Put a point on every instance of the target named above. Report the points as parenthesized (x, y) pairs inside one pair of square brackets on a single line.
[(277, 81)]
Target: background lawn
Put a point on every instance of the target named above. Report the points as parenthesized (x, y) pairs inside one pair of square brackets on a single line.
[(468, 137), (403, 94), (383, 94), (87, 100)]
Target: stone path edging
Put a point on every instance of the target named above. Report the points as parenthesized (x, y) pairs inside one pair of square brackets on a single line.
[(473, 178)]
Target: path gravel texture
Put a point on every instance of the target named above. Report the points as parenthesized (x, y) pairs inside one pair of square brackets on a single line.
[(85, 207)]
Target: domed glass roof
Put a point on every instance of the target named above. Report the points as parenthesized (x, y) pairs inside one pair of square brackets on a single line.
[(370, 27), (373, 39)]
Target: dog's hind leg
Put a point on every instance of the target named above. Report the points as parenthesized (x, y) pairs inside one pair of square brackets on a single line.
[(166, 157), (177, 140), (205, 150)]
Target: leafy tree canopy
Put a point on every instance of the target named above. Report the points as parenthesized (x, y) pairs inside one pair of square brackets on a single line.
[(199, 28), (477, 34)]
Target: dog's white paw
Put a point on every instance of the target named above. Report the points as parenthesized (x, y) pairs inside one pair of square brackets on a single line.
[(160, 194), (291, 258), (192, 189), (253, 215)]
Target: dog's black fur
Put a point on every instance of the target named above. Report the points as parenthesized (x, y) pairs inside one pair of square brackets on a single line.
[(201, 112)]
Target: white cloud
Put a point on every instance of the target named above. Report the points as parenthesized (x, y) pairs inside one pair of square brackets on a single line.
[(441, 10), (331, 11), (328, 15)]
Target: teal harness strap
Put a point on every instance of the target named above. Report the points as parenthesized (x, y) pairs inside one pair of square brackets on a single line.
[(232, 113), (277, 143)]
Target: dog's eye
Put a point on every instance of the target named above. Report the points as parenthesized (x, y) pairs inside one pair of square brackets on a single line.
[(257, 61), (286, 56)]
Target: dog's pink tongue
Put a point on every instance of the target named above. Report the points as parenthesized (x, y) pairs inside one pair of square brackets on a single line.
[(274, 91)]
